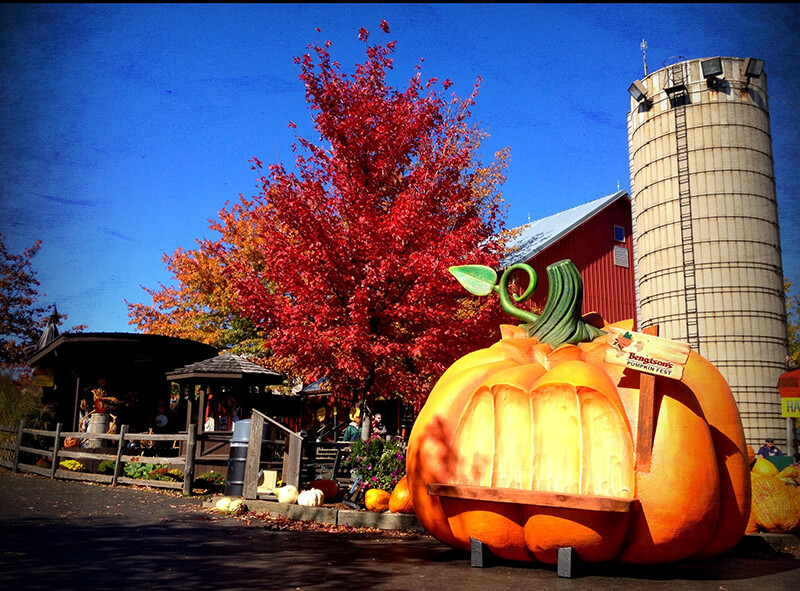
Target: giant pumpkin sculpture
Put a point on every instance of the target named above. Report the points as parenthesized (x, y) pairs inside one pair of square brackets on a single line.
[(533, 444)]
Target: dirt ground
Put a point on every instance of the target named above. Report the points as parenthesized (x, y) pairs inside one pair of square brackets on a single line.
[(68, 535)]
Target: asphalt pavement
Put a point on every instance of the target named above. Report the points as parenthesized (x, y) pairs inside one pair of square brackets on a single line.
[(64, 535)]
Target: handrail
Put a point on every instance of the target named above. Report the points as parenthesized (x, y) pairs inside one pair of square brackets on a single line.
[(275, 423)]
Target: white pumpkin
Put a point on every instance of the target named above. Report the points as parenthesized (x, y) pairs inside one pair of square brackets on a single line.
[(311, 498), (286, 494)]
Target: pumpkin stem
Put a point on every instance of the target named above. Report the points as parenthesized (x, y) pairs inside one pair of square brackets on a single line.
[(561, 321)]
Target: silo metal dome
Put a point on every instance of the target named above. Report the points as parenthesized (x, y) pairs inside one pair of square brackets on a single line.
[(705, 227)]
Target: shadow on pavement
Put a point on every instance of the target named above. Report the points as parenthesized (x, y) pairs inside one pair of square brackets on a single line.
[(70, 535)]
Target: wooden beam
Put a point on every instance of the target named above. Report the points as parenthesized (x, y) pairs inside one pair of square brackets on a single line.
[(253, 461), (292, 459), (56, 448), (188, 468), (20, 432), (531, 497), (645, 427), (123, 431)]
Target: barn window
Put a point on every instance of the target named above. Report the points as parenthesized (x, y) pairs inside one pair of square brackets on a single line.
[(619, 233)]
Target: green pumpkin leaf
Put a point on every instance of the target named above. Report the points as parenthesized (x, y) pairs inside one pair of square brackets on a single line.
[(479, 280)]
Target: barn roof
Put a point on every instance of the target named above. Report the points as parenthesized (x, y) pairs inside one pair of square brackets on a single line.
[(537, 235)]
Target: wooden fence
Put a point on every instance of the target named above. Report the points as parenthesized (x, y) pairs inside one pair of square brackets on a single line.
[(50, 445), (271, 446)]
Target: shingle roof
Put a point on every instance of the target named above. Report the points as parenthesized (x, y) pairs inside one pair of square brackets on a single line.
[(537, 235), (226, 365)]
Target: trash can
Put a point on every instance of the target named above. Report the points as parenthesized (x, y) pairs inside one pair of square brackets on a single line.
[(237, 460)]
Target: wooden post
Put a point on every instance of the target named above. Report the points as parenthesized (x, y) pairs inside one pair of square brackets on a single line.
[(77, 401), (253, 461), (189, 407), (188, 469), (646, 426), (292, 459), (15, 465), (201, 411), (123, 431), (56, 448)]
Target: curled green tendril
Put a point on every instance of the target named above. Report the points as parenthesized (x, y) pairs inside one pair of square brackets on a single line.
[(505, 301), (561, 320)]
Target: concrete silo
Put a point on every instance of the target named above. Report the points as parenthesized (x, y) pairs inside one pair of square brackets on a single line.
[(705, 225)]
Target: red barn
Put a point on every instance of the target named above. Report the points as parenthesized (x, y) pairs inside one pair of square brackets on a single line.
[(596, 236)]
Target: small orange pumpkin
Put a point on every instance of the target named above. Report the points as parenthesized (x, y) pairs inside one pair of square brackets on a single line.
[(400, 500), (71, 442), (377, 499)]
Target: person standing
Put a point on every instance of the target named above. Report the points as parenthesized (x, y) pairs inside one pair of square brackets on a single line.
[(769, 449), (378, 428), (353, 431)]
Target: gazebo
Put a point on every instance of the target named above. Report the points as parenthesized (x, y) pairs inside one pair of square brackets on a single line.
[(227, 387)]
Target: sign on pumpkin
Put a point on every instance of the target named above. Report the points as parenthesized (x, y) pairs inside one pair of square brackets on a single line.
[(647, 353)]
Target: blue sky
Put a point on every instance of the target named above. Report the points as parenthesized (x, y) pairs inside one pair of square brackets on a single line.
[(125, 128)]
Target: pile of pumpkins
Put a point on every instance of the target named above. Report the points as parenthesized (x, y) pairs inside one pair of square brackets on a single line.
[(314, 496), (776, 497), (398, 501), (375, 499)]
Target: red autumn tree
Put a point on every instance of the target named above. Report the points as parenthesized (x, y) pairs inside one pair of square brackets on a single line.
[(22, 319), (343, 263)]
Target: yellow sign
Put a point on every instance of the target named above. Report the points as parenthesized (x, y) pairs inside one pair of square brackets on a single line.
[(321, 414), (44, 380), (790, 407), (647, 353)]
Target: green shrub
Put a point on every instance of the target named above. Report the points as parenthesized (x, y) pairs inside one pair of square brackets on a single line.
[(162, 473), (106, 467), (20, 401), (211, 478), (141, 470)]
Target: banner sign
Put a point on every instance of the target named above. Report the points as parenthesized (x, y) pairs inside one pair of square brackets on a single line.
[(789, 387), (647, 353), (790, 407)]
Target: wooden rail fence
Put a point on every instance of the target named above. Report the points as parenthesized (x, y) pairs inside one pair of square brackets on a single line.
[(271, 446), (50, 445)]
